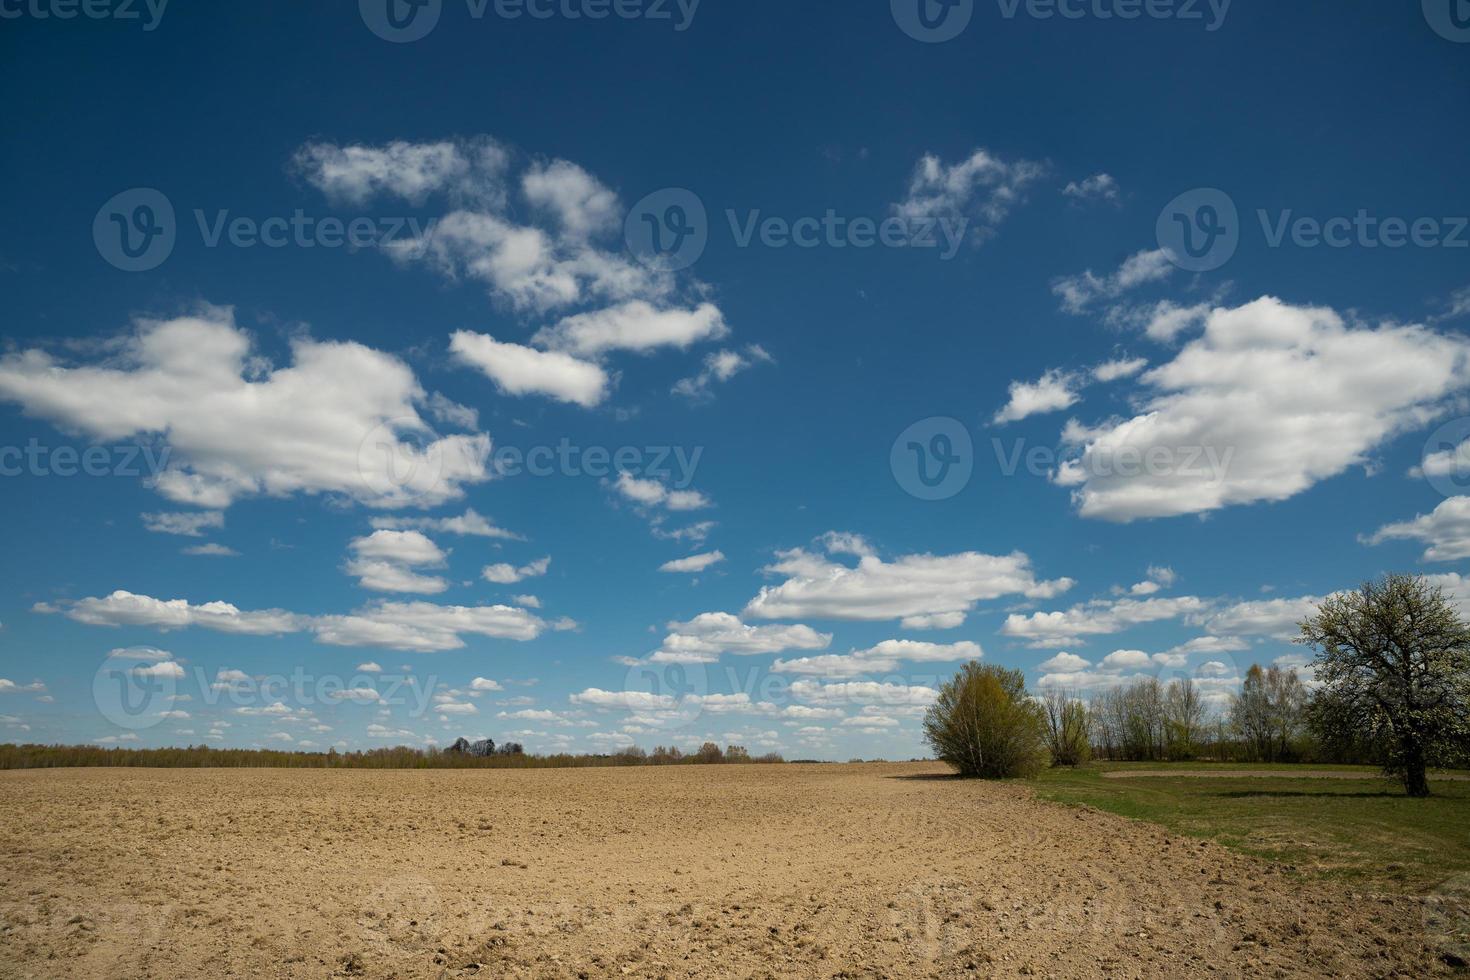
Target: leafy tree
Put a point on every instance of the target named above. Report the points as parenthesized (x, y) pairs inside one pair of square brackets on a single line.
[(1184, 715), (1268, 712), (1394, 664), (709, 753), (985, 724), (1067, 725)]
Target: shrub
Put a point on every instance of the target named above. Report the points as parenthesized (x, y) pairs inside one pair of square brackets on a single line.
[(985, 724)]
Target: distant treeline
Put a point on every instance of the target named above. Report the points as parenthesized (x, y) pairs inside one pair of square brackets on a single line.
[(399, 757)]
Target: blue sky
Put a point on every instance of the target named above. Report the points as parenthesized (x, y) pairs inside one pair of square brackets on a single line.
[(733, 374)]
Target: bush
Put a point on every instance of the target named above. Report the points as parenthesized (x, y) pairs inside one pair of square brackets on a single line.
[(985, 724)]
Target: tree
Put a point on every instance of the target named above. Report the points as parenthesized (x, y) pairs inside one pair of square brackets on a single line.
[(1268, 713), (1393, 659), (1184, 714), (985, 724), (1067, 727), (709, 753)]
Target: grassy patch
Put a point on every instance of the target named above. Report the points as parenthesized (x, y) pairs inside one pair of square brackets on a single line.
[(1363, 830)]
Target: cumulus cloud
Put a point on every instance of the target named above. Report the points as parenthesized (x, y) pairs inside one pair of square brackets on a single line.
[(466, 169), (385, 561), (1446, 530), (651, 493), (633, 326), (421, 627), (1276, 618), (520, 370), (694, 563), (1100, 617), (1079, 293), (982, 187), (1269, 401), (342, 419), (922, 591), (720, 367), (706, 637), (631, 700), (882, 657), (507, 574), (468, 524), (1098, 187), (190, 524), (1054, 391)]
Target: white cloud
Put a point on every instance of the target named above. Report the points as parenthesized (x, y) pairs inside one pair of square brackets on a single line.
[(456, 708), (371, 667), (720, 367), (140, 653), (581, 205), (470, 524), (1064, 662), (1271, 400), (507, 574), (633, 326), (518, 370), (1053, 392), (1099, 617), (694, 563), (421, 627), (191, 524), (1123, 368), (884, 656), (923, 591), (168, 668), (472, 169), (707, 636), (484, 684), (652, 493), (384, 561), (631, 700), (1277, 618), (1162, 321), (211, 550), (1098, 187), (1078, 293), (333, 422), (1446, 530), (863, 692), (983, 188)]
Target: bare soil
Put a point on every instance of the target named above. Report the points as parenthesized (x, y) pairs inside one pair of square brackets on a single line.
[(737, 871)]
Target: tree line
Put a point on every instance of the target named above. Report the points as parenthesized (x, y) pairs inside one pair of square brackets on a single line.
[(397, 757), (1392, 688)]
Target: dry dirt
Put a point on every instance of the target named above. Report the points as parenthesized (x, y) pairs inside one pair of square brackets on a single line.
[(752, 871)]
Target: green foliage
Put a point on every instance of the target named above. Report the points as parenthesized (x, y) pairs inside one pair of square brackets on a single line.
[(1067, 729), (1394, 663), (985, 724), (400, 757)]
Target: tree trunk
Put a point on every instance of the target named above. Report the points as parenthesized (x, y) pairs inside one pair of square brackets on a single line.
[(1416, 783)]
